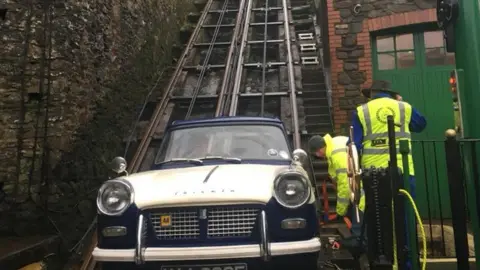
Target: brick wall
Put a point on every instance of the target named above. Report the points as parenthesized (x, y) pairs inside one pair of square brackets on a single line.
[(350, 46)]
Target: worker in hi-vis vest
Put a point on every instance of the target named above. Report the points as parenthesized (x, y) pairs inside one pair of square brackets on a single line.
[(335, 151), (370, 129)]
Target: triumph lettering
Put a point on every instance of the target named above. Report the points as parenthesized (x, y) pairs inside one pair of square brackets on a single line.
[(210, 191)]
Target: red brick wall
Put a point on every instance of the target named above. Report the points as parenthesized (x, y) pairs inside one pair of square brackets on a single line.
[(341, 116)]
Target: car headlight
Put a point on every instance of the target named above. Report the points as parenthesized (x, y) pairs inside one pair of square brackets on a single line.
[(291, 189), (114, 197)]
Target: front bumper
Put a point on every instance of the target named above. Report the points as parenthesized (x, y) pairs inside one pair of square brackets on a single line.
[(264, 250), (208, 253)]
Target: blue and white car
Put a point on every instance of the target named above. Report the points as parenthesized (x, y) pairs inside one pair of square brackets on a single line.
[(222, 194)]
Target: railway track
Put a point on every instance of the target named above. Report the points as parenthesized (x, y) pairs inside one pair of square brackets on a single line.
[(244, 57)]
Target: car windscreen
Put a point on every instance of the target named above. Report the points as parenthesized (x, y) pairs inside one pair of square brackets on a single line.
[(238, 141)]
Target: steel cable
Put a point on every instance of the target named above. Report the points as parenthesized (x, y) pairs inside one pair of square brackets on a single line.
[(39, 104), (135, 123)]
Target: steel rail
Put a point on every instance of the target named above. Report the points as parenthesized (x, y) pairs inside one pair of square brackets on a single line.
[(88, 262), (238, 57), (239, 71), (231, 81), (229, 64), (156, 117), (291, 77), (198, 86), (264, 64)]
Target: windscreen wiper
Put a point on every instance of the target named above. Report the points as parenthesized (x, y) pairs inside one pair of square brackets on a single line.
[(228, 159), (189, 160)]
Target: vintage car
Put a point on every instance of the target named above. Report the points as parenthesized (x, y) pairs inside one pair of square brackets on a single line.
[(222, 194)]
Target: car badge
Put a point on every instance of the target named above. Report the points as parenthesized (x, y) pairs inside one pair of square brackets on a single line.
[(203, 214)]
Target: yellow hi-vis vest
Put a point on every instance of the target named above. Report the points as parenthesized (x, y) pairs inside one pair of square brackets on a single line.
[(373, 117), (337, 158)]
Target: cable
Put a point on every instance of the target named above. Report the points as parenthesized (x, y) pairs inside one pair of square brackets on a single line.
[(147, 98), (395, 258), (422, 230)]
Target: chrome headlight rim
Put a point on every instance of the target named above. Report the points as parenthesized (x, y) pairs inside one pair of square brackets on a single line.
[(100, 206), (305, 182)]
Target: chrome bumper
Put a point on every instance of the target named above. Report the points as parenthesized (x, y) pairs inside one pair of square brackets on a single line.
[(264, 250)]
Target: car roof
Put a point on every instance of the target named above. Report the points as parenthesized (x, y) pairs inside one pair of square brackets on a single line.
[(226, 119)]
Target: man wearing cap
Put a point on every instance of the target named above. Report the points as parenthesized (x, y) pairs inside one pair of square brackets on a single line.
[(370, 131), (335, 150)]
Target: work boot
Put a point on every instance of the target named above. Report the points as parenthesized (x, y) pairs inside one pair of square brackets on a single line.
[(353, 245)]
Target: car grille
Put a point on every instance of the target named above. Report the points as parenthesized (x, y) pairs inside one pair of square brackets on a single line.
[(222, 222), (184, 225), (228, 222)]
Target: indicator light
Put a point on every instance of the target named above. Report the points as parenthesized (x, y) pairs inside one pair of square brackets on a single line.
[(453, 81)]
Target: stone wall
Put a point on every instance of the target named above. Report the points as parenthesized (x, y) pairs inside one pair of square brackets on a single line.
[(72, 76), (350, 29)]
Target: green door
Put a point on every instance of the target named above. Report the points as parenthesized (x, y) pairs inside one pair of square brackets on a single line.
[(419, 68)]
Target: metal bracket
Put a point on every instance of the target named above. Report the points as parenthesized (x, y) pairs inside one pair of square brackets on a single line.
[(309, 47), (305, 36), (310, 60)]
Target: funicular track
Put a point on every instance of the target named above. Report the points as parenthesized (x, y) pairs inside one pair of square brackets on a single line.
[(243, 58)]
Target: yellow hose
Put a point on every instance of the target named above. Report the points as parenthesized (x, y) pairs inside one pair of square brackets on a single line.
[(422, 231)]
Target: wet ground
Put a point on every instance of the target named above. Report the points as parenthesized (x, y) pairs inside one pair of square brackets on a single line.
[(15, 252)]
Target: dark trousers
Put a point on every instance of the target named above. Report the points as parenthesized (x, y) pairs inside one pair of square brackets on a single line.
[(408, 204), (352, 243), (356, 225)]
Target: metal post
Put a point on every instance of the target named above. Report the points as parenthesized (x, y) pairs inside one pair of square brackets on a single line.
[(411, 225), (467, 54), (457, 198), (467, 57), (398, 201), (391, 143)]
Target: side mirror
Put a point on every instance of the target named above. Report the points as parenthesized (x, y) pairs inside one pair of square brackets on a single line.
[(300, 155), (118, 165)]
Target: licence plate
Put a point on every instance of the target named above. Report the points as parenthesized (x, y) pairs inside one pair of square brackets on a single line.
[(237, 266)]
